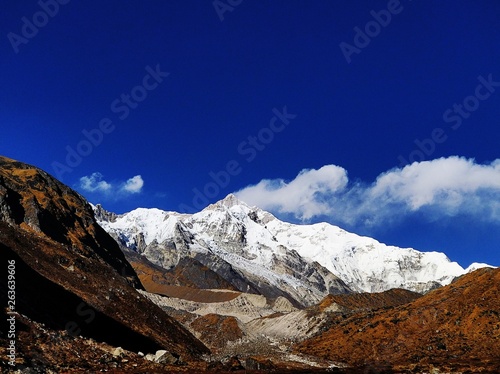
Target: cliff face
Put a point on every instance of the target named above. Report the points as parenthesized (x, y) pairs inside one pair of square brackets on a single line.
[(455, 328), (187, 273), (71, 275)]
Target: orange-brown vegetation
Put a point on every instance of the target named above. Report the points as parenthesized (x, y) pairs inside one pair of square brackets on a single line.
[(182, 281), (454, 328), (369, 301), (216, 330), (71, 275)]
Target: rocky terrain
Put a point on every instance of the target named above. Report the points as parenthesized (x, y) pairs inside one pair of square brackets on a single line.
[(71, 276), (251, 324), (452, 329)]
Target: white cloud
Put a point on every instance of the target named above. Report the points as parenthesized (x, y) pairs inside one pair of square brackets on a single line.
[(96, 183), (304, 196), (133, 185), (442, 187)]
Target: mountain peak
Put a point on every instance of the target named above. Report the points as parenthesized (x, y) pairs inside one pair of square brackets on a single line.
[(102, 214), (477, 265), (228, 202), (231, 200)]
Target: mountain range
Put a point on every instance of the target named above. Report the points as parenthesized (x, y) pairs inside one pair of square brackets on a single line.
[(229, 289), (257, 253)]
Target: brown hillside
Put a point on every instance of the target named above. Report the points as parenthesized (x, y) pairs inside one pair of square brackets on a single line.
[(369, 301), (193, 294), (188, 280), (36, 202), (70, 274), (456, 327), (216, 330)]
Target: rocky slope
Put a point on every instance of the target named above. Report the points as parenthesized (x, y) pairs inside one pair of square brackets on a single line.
[(301, 324), (187, 273), (455, 328), (239, 323), (244, 306), (229, 239), (71, 276), (366, 301), (32, 200)]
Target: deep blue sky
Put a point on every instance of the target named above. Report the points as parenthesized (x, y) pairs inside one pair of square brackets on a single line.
[(225, 78)]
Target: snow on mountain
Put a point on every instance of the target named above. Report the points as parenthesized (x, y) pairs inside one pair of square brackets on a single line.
[(364, 263), (260, 253), (154, 224), (477, 265)]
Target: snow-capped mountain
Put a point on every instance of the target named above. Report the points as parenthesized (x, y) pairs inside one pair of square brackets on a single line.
[(258, 253)]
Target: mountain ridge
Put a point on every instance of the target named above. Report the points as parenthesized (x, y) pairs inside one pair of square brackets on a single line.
[(455, 328), (259, 246), (224, 244)]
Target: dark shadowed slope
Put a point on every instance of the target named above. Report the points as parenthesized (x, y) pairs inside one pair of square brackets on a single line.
[(70, 274)]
